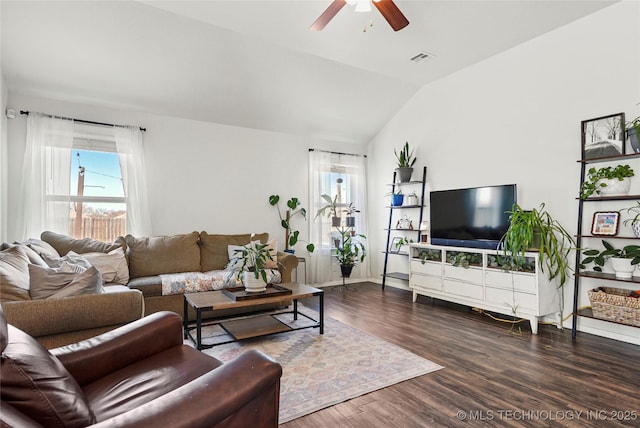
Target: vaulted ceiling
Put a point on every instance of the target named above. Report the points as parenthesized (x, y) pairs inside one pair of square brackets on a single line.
[(255, 64)]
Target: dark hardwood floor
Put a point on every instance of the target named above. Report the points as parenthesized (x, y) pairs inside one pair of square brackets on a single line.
[(493, 375)]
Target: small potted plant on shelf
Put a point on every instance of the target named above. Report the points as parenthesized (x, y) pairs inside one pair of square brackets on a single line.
[(537, 230), (635, 220), (406, 160), (633, 134), (291, 235), (607, 181), (397, 198), (330, 209), (350, 253), (253, 269), (623, 260)]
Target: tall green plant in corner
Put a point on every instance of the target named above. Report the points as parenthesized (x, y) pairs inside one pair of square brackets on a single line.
[(293, 209), (537, 230)]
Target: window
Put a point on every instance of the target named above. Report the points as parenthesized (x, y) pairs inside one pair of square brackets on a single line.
[(79, 178), (343, 177), (98, 208)]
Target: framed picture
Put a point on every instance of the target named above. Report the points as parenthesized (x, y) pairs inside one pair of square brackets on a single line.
[(603, 136), (396, 243), (605, 223)]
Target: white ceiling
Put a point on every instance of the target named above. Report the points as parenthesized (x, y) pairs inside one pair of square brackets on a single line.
[(255, 64)]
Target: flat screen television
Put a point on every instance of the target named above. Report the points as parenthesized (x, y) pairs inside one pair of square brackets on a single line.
[(475, 217)]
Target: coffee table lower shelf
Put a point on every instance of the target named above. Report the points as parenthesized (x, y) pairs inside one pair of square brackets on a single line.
[(249, 325)]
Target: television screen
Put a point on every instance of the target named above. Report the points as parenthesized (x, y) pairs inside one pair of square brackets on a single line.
[(475, 217)]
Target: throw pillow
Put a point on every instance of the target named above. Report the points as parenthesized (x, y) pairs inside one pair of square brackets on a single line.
[(14, 274), (213, 248), (33, 256), (63, 244), (112, 265), (55, 283), (33, 380), (235, 257), (72, 262), (42, 248)]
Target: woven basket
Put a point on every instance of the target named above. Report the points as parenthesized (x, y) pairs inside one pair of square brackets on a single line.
[(612, 304)]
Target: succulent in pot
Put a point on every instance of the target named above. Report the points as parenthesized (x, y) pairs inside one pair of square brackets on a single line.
[(406, 160)]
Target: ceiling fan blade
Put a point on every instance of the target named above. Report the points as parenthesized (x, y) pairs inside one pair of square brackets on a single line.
[(392, 14), (327, 15)]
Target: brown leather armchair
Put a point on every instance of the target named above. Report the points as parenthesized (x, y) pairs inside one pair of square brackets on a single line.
[(138, 375)]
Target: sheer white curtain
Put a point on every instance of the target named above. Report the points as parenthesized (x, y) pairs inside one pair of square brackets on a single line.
[(45, 180), (343, 175), (132, 165)]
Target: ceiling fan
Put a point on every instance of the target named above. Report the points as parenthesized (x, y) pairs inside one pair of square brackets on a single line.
[(387, 8)]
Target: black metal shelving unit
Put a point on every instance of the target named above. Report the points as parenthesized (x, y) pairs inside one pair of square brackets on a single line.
[(394, 185), (580, 238)]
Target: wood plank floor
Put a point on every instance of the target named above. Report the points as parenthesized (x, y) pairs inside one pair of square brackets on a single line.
[(493, 376)]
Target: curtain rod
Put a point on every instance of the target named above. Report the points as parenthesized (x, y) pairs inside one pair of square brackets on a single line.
[(336, 153), (26, 112)]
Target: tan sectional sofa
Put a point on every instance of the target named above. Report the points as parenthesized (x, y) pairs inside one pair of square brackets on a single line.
[(57, 322)]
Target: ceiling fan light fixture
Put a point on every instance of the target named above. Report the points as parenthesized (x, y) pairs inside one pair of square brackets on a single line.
[(363, 6)]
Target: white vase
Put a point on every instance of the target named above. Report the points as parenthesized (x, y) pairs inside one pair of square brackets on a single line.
[(622, 267), (614, 187), (253, 284), (635, 226)]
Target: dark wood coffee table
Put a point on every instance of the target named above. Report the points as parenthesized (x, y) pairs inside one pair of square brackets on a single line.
[(249, 325)]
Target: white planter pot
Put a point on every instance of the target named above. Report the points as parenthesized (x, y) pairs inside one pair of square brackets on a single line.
[(635, 226), (614, 187), (622, 267), (253, 284)]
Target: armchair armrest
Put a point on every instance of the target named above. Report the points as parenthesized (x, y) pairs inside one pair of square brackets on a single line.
[(287, 262), (243, 392), (87, 311), (94, 358)]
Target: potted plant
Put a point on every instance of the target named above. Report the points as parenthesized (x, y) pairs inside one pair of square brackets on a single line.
[(331, 209), (253, 270), (350, 253), (607, 181), (537, 230), (291, 235), (406, 160), (350, 210), (397, 198), (635, 221), (633, 134), (623, 260)]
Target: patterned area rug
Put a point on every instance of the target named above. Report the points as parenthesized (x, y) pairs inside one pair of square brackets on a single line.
[(322, 370)]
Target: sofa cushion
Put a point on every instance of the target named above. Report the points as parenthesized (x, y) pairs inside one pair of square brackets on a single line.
[(36, 383), (214, 248), (14, 274), (63, 244), (163, 254), (55, 283)]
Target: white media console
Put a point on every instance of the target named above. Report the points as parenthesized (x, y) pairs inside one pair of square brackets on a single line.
[(483, 284)]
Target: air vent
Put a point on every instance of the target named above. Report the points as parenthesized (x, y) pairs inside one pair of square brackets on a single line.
[(421, 56)]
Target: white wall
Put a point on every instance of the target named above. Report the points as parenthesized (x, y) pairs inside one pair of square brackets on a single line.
[(201, 176), (515, 118)]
